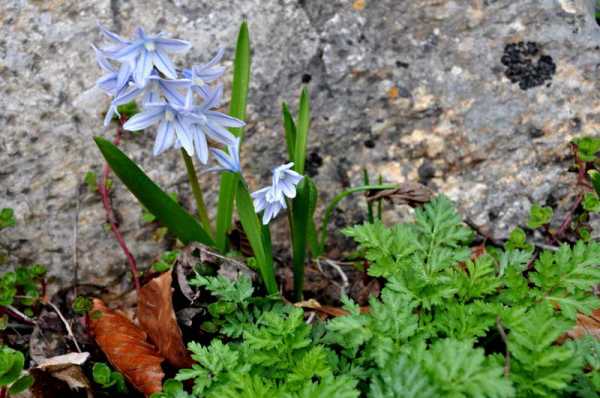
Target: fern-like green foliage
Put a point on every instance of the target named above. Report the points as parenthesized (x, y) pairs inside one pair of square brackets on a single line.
[(276, 357), (444, 325)]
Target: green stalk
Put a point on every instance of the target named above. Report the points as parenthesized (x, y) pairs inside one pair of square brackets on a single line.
[(197, 192), (257, 235), (366, 181), (337, 199), (380, 201), (237, 109)]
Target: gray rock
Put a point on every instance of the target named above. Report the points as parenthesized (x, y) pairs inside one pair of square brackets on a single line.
[(398, 87)]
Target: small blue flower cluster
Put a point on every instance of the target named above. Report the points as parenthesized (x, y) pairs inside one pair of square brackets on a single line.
[(142, 68), (271, 199)]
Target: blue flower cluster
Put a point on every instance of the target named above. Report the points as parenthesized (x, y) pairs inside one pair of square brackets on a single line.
[(271, 200), (142, 68)]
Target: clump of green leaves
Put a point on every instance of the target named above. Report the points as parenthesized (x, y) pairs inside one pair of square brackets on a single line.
[(7, 218), (436, 330), (539, 216), (108, 378), (22, 287), (82, 305), (91, 180), (11, 371), (167, 260), (587, 148)]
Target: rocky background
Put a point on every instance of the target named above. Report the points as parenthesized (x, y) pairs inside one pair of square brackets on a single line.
[(413, 89)]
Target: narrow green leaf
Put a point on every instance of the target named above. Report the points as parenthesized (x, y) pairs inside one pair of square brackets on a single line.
[(290, 131), (239, 97), (302, 207), (302, 132), (167, 211), (595, 177), (241, 77), (254, 233), (380, 201), (21, 385), (370, 216), (337, 199), (312, 236)]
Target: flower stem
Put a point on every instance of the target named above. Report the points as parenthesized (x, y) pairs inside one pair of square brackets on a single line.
[(110, 215), (197, 192), (17, 315)]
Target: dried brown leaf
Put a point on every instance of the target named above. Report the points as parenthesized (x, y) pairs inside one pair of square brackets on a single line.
[(586, 325), (410, 193), (326, 309), (157, 318), (65, 368), (127, 348)]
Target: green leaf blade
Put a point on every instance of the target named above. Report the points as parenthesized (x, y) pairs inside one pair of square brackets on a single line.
[(302, 132), (254, 232), (167, 211), (237, 109), (290, 131), (303, 207)]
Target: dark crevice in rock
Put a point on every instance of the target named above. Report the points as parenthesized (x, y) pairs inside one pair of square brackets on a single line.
[(115, 11)]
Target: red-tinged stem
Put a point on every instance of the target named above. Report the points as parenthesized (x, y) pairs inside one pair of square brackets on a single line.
[(581, 181), (15, 316), (110, 215), (3, 392), (567, 221)]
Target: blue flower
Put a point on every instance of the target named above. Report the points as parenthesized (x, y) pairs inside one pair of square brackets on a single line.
[(285, 180), (212, 124), (269, 203), (174, 124), (201, 75), (230, 160), (115, 81), (155, 90), (145, 53), (271, 200)]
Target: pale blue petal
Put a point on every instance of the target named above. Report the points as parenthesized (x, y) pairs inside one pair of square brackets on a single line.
[(187, 73), (260, 204), (112, 36), (204, 91), (184, 136), (142, 120), (143, 68), (172, 45), (223, 119), (108, 83), (164, 64), (169, 89), (288, 190), (124, 74), (112, 111), (152, 96), (212, 74), (215, 60), (128, 96), (225, 160), (219, 134), (165, 138), (102, 60), (201, 146), (139, 32), (127, 53), (213, 100)]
